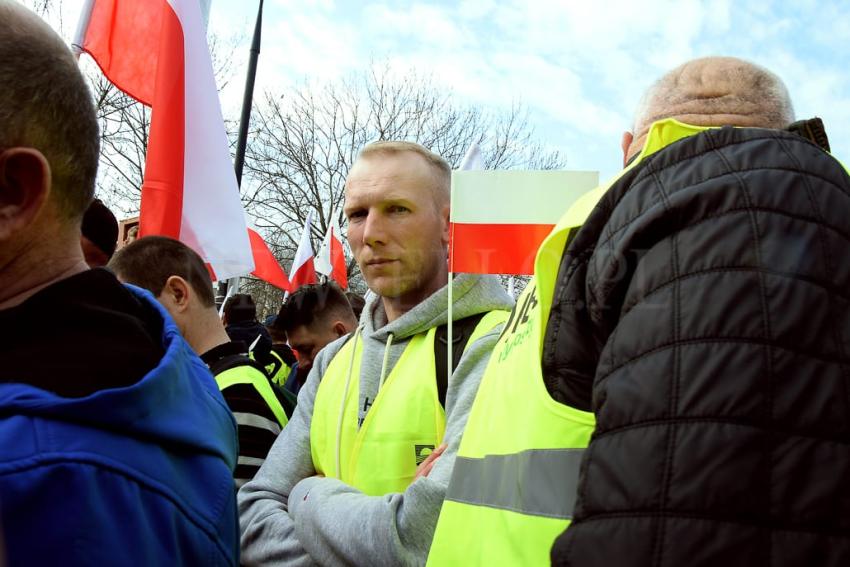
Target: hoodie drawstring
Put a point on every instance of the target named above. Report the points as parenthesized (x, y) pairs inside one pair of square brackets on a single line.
[(345, 392), (342, 407), (386, 359)]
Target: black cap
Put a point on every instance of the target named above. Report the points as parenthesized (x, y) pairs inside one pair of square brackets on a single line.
[(239, 308), (101, 227)]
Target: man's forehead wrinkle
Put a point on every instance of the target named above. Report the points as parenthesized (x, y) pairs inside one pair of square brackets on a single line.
[(381, 187)]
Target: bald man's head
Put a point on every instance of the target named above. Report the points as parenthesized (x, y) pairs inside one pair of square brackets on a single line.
[(713, 91), (46, 105)]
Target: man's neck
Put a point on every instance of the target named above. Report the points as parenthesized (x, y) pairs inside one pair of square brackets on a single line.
[(207, 332), (395, 307), (28, 273)]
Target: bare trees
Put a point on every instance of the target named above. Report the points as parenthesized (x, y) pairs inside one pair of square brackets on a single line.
[(303, 142), (124, 126)]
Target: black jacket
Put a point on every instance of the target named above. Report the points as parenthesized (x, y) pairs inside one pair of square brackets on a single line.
[(707, 303)]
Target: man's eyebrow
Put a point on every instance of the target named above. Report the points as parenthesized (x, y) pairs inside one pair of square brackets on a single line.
[(395, 199)]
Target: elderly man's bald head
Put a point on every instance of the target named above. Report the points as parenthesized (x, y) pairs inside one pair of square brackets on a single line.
[(46, 105), (713, 91)]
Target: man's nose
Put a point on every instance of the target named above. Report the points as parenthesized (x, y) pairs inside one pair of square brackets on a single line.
[(373, 229)]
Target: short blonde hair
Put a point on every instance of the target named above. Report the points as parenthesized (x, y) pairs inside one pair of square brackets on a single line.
[(440, 167)]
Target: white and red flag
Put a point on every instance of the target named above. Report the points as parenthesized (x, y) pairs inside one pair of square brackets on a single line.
[(156, 52), (266, 266), (500, 218), (330, 260), (303, 271)]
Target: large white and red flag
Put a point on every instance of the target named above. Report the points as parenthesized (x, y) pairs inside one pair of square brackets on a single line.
[(303, 271), (330, 260), (156, 51), (500, 218)]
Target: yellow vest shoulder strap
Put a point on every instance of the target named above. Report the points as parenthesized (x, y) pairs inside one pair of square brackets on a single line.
[(247, 374)]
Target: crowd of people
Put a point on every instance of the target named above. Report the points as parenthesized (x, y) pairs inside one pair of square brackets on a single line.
[(671, 388)]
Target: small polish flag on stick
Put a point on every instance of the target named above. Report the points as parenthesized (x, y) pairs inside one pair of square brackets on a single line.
[(500, 218), (302, 271), (330, 260)]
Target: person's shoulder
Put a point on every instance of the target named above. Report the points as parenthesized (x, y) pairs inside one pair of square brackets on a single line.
[(481, 293)]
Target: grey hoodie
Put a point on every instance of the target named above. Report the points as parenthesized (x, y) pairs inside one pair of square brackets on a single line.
[(289, 515)]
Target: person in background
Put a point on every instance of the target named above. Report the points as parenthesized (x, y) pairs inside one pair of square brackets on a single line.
[(241, 324), (177, 277), (116, 447), (99, 234), (285, 363), (312, 317), (357, 303), (340, 486)]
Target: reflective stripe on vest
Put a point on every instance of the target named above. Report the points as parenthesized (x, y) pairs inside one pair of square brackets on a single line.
[(405, 423), (517, 470), (518, 482), (250, 375)]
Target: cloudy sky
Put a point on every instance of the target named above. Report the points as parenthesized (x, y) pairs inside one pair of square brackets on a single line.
[(578, 66)]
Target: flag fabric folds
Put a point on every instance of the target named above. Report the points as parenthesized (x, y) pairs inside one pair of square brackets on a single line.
[(303, 271), (500, 218), (156, 51), (330, 260), (266, 266), (472, 159)]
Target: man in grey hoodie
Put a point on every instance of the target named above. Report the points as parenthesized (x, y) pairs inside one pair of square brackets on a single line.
[(299, 508)]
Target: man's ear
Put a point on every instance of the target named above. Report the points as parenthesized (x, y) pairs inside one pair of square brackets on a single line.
[(340, 329), (24, 188), (625, 144), (176, 294)]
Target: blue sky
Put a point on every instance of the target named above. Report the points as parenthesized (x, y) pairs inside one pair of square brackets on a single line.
[(579, 67)]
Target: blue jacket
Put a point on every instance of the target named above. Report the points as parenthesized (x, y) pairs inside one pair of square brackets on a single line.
[(140, 475)]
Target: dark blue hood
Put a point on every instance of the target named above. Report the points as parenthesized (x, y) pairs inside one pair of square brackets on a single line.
[(133, 475), (154, 408)]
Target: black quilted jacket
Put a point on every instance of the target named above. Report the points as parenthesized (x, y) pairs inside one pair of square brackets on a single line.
[(707, 303)]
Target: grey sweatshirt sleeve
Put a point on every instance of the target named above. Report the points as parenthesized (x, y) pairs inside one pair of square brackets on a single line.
[(338, 525), (267, 531)]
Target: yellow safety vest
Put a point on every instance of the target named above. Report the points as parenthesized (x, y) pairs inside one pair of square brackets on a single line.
[(250, 375), (282, 374), (405, 423), (513, 487)]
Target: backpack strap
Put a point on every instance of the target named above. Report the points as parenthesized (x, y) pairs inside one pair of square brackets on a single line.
[(461, 332)]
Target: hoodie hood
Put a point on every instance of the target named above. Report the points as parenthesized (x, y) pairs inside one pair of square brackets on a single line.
[(154, 408), (471, 294)]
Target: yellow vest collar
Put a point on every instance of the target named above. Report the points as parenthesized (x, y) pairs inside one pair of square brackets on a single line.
[(662, 133)]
